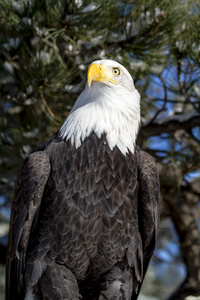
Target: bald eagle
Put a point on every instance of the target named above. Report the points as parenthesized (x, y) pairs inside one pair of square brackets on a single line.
[(85, 212)]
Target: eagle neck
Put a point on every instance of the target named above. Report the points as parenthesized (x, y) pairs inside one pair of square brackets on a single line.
[(113, 114)]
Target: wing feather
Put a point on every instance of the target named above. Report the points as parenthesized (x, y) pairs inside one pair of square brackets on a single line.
[(148, 210), (150, 201), (29, 189)]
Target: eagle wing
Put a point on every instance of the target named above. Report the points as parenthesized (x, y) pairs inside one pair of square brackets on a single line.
[(30, 184), (148, 208)]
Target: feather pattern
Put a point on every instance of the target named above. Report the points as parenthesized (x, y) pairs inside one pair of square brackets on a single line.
[(89, 217)]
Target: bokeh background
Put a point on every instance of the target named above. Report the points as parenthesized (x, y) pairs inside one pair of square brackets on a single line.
[(46, 47)]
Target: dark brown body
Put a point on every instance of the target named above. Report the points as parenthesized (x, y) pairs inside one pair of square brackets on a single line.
[(84, 222)]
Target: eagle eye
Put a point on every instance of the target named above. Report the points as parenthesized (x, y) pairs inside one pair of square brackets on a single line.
[(116, 71)]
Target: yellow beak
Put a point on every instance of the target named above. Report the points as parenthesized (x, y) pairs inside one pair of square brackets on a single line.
[(97, 72)]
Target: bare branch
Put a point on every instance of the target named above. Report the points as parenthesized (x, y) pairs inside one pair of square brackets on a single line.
[(171, 124)]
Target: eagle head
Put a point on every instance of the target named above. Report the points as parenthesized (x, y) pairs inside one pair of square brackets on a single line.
[(109, 104)]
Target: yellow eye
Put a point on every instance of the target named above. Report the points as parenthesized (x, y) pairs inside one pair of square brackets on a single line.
[(116, 71)]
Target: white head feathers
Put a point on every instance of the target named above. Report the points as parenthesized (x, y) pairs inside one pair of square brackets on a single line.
[(110, 105)]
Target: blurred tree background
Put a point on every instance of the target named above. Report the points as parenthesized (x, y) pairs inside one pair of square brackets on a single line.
[(46, 47)]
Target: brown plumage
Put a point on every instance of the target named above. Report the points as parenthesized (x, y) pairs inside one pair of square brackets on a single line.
[(84, 222)]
